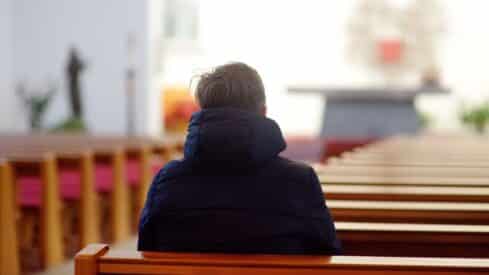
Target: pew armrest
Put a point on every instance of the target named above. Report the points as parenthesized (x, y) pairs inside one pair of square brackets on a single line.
[(86, 259)]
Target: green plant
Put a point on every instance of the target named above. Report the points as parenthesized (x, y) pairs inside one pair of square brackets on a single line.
[(476, 117), (36, 102), (72, 124), (425, 120)]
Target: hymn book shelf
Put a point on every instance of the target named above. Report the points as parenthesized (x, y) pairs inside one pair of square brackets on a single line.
[(100, 259)]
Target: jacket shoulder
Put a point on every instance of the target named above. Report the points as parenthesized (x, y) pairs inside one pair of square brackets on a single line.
[(291, 168)]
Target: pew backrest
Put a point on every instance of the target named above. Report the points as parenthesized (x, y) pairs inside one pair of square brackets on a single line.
[(99, 259)]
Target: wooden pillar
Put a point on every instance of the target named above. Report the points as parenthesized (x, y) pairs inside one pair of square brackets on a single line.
[(89, 203), (51, 233), (120, 199), (9, 248), (146, 177)]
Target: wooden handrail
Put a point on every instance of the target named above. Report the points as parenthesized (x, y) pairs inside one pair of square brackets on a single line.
[(100, 259)]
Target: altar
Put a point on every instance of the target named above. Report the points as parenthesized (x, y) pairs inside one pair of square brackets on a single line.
[(369, 112)]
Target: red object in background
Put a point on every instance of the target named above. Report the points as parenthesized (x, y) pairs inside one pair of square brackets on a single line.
[(303, 148), (334, 147), (390, 51), (315, 149), (185, 109)]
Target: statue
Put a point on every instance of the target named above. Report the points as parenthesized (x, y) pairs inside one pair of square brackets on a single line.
[(73, 70)]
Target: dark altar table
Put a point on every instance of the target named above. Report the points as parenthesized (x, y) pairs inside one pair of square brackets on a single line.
[(368, 112)]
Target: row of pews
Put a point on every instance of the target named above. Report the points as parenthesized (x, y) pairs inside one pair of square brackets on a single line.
[(401, 205), (60, 193), (426, 196)]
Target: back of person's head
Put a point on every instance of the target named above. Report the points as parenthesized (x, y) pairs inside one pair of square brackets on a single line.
[(234, 85)]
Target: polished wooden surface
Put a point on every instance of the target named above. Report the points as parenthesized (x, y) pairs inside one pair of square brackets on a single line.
[(9, 250), (99, 259), (406, 180), (406, 193), (51, 232), (43, 156), (410, 212), (413, 240)]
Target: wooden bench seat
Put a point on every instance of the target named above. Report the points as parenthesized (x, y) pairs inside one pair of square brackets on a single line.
[(410, 212), (412, 240), (405, 193), (99, 259), (355, 159), (414, 180), (421, 155), (396, 171)]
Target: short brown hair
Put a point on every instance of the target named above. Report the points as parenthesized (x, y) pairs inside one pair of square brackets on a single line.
[(231, 85)]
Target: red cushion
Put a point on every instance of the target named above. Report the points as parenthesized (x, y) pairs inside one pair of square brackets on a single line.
[(303, 148), (336, 146), (104, 178), (30, 188), (156, 165), (70, 184), (133, 172), (29, 191)]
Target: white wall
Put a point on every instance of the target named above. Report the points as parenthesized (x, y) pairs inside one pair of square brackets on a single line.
[(301, 41), (43, 31), (304, 42), (8, 108)]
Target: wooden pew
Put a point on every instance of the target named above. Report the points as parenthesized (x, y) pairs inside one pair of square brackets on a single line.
[(401, 171), (44, 167), (406, 193), (413, 240), (139, 160), (410, 212), (75, 165), (117, 192), (386, 181), (88, 211), (109, 159), (100, 259), (9, 250), (358, 160), (72, 153)]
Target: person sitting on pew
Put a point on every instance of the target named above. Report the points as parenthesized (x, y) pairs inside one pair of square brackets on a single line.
[(232, 192)]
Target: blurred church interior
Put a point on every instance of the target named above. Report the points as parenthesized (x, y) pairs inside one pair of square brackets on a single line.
[(111, 83)]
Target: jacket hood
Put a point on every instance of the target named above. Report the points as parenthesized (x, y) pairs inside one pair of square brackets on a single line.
[(228, 137)]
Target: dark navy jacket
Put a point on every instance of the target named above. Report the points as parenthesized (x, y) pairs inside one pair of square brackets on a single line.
[(233, 193)]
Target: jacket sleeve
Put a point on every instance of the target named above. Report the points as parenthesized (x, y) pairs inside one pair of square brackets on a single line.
[(325, 228)]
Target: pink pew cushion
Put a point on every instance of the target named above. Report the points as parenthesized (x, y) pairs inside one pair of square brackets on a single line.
[(29, 191), (70, 183), (133, 172), (30, 188), (104, 178)]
